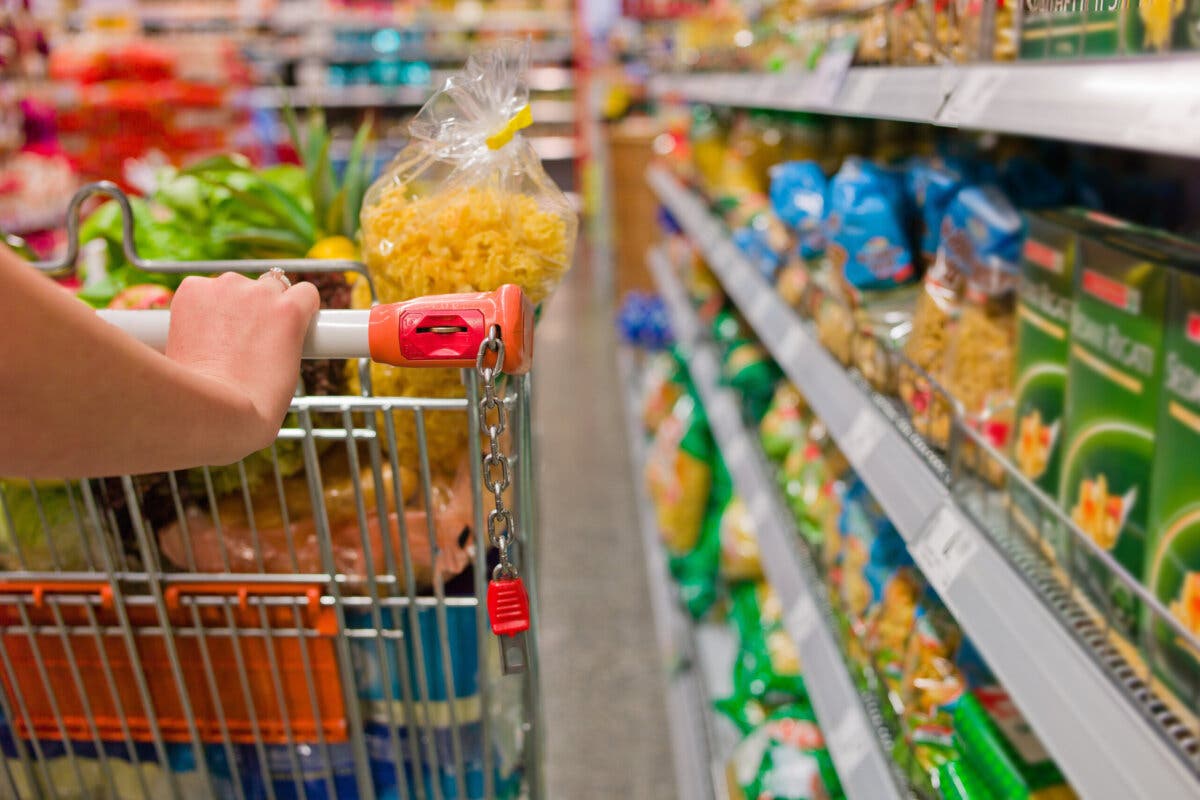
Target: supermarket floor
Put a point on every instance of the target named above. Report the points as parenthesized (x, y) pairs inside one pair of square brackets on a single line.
[(602, 685)]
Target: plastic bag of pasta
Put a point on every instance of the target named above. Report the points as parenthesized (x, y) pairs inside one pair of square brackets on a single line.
[(465, 207)]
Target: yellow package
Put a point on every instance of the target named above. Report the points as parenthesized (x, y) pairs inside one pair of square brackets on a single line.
[(465, 207), (679, 475), (739, 544)]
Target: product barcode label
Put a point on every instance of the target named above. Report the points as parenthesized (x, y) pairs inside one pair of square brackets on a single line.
[(946, 548), (863, 436)]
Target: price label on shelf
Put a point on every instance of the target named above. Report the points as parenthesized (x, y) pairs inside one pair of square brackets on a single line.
[(946, 548), (970, 98), (802, 619), (849, 741), (863, 436), (826, 81)]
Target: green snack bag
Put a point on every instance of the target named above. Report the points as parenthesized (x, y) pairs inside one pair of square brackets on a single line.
[(1113, 380), (957, 781), (1043, 325), (728, 328), (785, 759), (767, 668), (752, 373), (1000, 746), (1173, 550), (696, 571), (783, 425), (678, 475)]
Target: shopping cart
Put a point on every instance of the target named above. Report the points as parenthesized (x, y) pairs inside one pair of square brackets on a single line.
[(295, 626)]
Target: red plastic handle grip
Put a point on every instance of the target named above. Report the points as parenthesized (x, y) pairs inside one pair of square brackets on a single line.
[(447, 330)]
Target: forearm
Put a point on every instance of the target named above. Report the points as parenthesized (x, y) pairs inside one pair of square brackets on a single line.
[(80, 398)]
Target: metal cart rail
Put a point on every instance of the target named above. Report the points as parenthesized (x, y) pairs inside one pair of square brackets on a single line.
[(305, 623)]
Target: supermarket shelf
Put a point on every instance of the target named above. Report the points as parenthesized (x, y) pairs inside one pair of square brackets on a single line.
[(228, 17), (913, 94), (540, 53), (548, 111), (542, 79), (698, 656), (1093, 728), (336, 96), (863, 764), (1145, 104)]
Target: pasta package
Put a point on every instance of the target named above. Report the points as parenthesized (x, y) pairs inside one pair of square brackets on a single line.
[(466, 206), (1114, 382), (1173, 552), (968, 308), (798, 200)]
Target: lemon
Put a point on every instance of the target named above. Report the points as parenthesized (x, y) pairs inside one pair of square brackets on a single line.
[(335, 247)]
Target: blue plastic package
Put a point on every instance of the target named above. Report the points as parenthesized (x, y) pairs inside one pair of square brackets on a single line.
[(753, 245), (309, 771), (865, 225), (133, 771), (415, 656), (642, 321), (980, 242), (931, 185), (798, 198)]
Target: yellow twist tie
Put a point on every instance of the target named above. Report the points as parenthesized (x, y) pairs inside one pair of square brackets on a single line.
[(522, 119)]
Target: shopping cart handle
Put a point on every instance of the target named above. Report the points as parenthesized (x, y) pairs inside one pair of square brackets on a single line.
[(436, 331)]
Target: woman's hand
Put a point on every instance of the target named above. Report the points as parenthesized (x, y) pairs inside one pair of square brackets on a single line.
[(247, 335), (80, 398)]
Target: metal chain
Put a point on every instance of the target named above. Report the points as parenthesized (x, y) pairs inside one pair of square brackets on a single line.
[(497, 475)]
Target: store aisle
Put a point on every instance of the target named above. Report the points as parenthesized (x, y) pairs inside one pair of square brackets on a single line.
[(607, 735)]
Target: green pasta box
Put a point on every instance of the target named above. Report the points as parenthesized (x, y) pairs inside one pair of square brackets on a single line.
[(1173, 560), (1073, 28), (1043, 328), (1114, 373)]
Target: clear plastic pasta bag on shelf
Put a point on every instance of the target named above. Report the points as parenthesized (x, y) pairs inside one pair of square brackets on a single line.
[(975, 272), (466, 206)]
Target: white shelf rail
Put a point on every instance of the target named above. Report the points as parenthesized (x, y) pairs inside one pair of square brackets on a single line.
[(1149, 104)]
